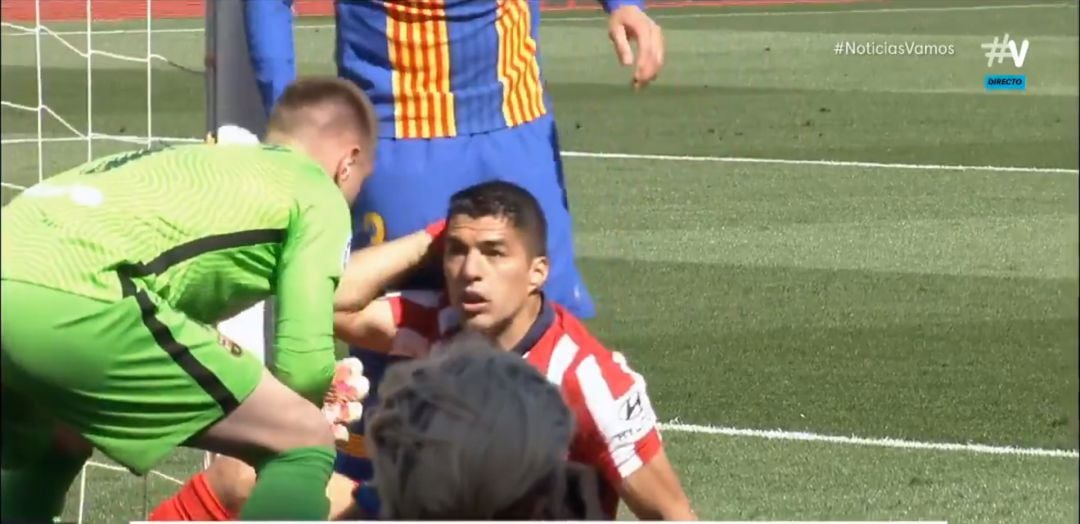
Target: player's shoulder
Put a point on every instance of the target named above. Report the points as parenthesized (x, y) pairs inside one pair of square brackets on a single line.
[(281, 177), (271, 163), (268, 168), (575, 357), (293, 167), (310, 189), (600, 382), (572, 329), (288, 158)]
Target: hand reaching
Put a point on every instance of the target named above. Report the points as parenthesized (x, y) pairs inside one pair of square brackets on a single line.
[(629, 23), (343, 404)]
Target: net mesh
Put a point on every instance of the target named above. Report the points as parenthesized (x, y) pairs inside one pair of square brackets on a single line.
[(39, 31), (26, 19)]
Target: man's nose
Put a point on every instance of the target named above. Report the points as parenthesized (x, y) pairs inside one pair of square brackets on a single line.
[(474, 265)]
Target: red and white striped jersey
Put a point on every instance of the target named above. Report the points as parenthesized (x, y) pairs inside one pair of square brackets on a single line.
[(616, 429)]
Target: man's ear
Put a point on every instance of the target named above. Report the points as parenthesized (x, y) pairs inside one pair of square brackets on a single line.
[(538, 273), (349, 166)]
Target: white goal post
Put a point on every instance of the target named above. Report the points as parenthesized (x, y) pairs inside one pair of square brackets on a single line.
[(232, 100), (231, 91)]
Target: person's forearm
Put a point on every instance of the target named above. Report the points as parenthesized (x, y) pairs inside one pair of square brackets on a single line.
[(269, 30), (372, 270), (674, 509), (654, 492), (679, 512), (308, 373), (365, 329)]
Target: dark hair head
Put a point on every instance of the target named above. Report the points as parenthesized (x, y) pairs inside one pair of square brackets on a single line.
[(475, 433), (506, 201), (324, 105)]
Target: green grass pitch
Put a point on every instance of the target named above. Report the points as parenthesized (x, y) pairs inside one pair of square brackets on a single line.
[(839, 298)]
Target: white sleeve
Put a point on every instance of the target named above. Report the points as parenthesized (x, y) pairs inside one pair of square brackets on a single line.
[(248, 330)]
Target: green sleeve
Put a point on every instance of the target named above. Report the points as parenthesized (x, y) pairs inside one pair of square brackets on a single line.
[(313, 256)]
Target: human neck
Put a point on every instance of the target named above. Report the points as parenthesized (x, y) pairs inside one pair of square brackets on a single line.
[(285, 140), (515, 331), (300, 144)]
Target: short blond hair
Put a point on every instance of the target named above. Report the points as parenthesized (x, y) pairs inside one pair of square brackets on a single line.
[(324, 105)]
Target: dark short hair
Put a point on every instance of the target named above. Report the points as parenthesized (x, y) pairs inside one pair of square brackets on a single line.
[(349, 109), (475, 433), (508, 201)]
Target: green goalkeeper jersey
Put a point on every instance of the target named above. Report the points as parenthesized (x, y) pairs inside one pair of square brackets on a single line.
[(210, 229)]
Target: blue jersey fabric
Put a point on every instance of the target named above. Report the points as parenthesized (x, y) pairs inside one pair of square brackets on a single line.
[(436, 68)]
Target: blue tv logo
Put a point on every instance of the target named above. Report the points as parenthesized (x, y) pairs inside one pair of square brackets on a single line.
[(1006, 82)]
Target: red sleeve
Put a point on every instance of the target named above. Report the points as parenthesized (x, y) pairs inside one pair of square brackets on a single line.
[(612, 403), (417, 311)]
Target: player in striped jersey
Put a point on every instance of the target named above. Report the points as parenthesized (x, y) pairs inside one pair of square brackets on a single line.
[(493, 255), (495, 264), (461, 100), (113, 272)]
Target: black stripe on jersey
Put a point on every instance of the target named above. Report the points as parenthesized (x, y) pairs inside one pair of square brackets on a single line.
[(202, 246), (180, 353)]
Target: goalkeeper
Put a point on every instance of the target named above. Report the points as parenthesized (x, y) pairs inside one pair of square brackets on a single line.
[(112, 273)]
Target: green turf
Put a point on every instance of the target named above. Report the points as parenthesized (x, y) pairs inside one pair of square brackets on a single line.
[(742, 479), (923, 304)]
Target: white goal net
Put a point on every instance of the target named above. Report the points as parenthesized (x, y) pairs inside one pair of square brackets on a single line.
[(84, 78)]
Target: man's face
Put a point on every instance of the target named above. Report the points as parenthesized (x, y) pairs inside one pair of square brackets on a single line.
[(490, 272)]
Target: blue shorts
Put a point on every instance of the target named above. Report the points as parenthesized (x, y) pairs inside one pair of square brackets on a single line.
[(411, 187)]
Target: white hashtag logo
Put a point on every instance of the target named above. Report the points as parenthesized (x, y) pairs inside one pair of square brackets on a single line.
[(996, 50), (1001, 49), (839, 49)]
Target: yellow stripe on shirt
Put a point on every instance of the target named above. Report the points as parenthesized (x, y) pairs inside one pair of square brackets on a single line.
[(419, 53), (518, 70)]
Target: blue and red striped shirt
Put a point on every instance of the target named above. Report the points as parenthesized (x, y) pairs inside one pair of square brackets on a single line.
[(433, 68)]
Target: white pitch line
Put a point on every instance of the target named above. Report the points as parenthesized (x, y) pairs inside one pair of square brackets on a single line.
[(661, 15), (169, 478), (111, 467), (658, 14), (831, 163), (133, 139), (777, 434), (30, 31), (632, 156)]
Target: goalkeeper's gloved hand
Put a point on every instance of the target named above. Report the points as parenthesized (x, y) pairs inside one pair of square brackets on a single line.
[(343, 404)]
